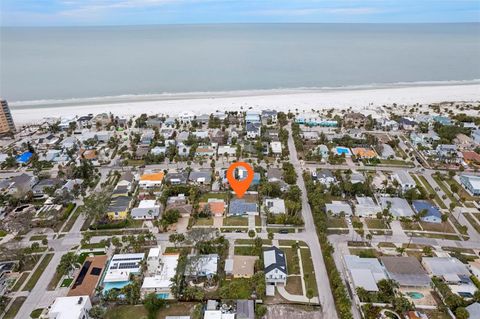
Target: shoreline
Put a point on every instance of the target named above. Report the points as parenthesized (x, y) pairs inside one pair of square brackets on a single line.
[(358, 98)]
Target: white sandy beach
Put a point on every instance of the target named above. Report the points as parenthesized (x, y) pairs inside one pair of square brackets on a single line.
[(358, 99)]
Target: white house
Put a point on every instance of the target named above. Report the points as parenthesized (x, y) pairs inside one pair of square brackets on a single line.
[(276, 147), (161, 268), (404, 179), (70, 308), (147, 209), (275, 205), (275, 266), (186, 116)]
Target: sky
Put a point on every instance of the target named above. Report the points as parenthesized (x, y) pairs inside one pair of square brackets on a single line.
[(141, 12)]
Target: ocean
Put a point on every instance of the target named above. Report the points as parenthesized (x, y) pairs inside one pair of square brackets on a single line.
[(84, 62)]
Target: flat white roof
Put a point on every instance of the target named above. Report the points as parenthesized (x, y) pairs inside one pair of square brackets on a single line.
[(147, 203), (154, 252), (121, 266), (68, 307), (163, 278), (364, 278)]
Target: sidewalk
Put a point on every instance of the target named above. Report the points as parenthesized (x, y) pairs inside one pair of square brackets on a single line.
[(297, 298)]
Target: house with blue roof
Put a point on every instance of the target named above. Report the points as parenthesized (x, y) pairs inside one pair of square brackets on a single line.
[(442, 120), (433, 213), (239, 207)]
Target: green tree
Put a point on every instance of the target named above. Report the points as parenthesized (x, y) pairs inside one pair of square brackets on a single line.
[(461, 313), (153, 304), (251, 233)]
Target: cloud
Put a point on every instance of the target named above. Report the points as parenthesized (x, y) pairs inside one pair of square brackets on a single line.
[(82, 8)]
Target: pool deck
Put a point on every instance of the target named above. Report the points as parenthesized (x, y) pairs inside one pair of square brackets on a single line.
[(427, 300)]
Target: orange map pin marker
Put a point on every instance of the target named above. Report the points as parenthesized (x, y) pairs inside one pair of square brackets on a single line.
[(239, 187)]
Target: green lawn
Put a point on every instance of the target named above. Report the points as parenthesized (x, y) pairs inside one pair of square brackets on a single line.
[(396, 162), (308, 271), (289, 243), (36, 313), (430, 190), (204, 221), (386, 245), (20, 281), (441, 227), (38, 237), (293, 267), (66, 282), (444, 188), (207, 196), (15, 307), (235, 221), (73, 217), (38, 272), (457, 224), (437, 236), (376, 223), (336, 222), (244, 251), (251, 241), (472, 221)]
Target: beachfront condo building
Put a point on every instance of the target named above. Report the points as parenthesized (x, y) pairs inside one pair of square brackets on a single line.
[(6, 120)]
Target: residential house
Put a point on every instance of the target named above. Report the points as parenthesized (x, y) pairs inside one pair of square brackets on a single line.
[(463, 141), (227, 149), (119, 205), (151, 180), (76, 307), (446, 152), (406, 271), (398, 207), (253, 130), (476, 136), (357, 177), (119, 269), (215, 206), (338, 208), (161, 268), (355, 120), (275, 205), (366, 207), (442, 120), (84, 121), (386, 152), (312, 119), (405, 181), (177, 178), (471, 183), (147, 209), (186, 117), (126, 179), (239, 207), (454, 273), (364, 272), (275, 266), (324, 176), (179, 203), (407, 124), (202, 266), (22, 183), (183, 150), (89, 276), (433, 214), (201, 177), (205, 151), (309, 135), (276, 148), (471, 157), (473, 310), (269, 116), (50, 183), (252, 117), (245, 309)]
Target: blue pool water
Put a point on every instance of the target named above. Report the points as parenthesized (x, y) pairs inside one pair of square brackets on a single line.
[(24, 158), (114, 285), (415, 295), (342, 150)]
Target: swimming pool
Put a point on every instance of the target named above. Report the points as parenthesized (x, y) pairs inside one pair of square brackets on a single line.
[(343, 150), (415, 295)]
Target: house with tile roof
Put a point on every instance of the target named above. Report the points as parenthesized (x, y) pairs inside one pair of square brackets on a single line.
[(151, 180)]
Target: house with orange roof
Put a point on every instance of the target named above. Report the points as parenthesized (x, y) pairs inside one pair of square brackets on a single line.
[(471, 157), (362, 152), (151, 180), (90, 155), (214, 205)]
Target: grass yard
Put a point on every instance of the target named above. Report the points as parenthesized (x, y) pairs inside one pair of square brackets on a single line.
[(73, 218), (251, 241), (430, 189), (289, 243), (376, 223), (293, 267), (410, 226), (308, 271), (15, 307), (244, 251), (441, 227), (436, 236), (20, 281), (139, 312), (473, 221), (235, 221), (396, 162), (386, 245), (444, 188), (204, 222), (336, 222), (38, 272), (38, 237), (66, 282), (36, 313), (365, 252), (461, 228), (294, 285)]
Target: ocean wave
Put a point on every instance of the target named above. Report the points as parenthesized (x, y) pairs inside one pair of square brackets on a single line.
[(229, 93)]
